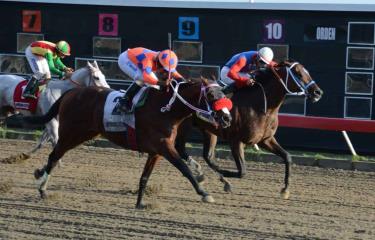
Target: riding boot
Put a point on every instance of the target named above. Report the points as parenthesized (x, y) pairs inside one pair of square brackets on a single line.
[(230, 88), (126, 101), (31, 88)]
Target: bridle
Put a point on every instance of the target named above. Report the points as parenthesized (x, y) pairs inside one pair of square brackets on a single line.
[(203, 94), (301, 85)]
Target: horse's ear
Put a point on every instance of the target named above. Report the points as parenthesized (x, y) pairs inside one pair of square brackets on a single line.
[(89, 65), (204, 80), (96, 64)]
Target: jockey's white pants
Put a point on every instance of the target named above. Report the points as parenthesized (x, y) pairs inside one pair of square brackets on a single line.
[(131, 69), (38, 64), (227, 80)]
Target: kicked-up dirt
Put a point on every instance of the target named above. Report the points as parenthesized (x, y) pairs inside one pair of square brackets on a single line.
[(93, 194)]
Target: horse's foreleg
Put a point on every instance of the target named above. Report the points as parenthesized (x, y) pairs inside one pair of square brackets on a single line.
[(209, 145), (147, 170), (53, 133), (173, 157), (273, 146), (42, 140), (183, 132)]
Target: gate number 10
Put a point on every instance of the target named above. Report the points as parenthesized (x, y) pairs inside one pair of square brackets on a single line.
[(273, 31)]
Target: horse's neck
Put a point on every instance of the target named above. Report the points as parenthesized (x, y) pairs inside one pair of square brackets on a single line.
[(275, 92), (80, 76), (61, 85), (191, 95)]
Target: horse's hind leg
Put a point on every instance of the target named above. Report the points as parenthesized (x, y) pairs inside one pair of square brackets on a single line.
[(71, 139), (238, 152), (147, 170), (43, 175), (273, 146)]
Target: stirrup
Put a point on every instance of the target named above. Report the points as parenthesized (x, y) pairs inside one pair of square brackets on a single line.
[(28, 95)]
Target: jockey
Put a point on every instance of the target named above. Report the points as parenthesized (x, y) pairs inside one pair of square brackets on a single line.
[(45, 57), (237, 72), (146, 67)]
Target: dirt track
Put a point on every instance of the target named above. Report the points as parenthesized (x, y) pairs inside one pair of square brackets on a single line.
[(93, 197)]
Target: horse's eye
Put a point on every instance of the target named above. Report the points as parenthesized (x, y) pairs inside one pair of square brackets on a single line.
[(96, 78)]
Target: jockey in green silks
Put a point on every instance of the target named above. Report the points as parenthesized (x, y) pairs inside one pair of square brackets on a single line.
[(45, 58)]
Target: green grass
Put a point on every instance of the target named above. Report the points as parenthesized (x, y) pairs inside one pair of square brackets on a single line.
[(4, 131)]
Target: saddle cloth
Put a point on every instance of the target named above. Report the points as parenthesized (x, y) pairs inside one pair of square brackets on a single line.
[(115, 120), (21, 103)]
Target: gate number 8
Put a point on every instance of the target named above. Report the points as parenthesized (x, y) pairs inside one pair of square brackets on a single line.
[(108, 24)]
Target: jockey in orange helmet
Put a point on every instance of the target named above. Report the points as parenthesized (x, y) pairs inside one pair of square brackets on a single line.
[(45, 57), (146, 67)]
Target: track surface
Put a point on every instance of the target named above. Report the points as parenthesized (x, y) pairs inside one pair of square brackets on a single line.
[(93, 197)]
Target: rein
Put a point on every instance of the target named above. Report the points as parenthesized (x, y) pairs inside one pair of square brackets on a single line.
[(264, 96), (186, 103), (297, 81)]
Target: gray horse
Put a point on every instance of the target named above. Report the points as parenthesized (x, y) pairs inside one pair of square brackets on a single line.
[(83, 77)]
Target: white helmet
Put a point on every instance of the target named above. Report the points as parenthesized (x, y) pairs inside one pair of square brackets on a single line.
[(266, 54)]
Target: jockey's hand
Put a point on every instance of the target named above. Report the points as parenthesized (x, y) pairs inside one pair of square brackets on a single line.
[(162, 83), (68, 69), (250, 82), (67, 75), (180, 79)]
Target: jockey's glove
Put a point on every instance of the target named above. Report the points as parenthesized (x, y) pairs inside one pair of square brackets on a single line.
[(162, 83), (67, 74), (180, 79), (250, 82)]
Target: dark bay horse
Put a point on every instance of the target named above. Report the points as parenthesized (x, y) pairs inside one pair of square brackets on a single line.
[(80, 113), (255, 119)]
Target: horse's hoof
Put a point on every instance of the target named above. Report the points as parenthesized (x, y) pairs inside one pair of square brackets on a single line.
[(208, 199), (43, 194), (200, 178), (25, 156), (228, 187), (140, 206), (38, 173), (285, 194)]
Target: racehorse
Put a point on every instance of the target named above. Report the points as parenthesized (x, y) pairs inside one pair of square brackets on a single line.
[(156, 122), (83, 77), (255, 119)]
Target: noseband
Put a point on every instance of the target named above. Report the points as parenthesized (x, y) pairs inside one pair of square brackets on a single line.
[(301, 85), (203, 92)]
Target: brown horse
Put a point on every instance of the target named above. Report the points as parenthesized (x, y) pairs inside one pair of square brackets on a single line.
[(80, 114), (255, 119)]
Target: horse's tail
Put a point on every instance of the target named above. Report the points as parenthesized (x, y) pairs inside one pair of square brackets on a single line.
[(43, 119)]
